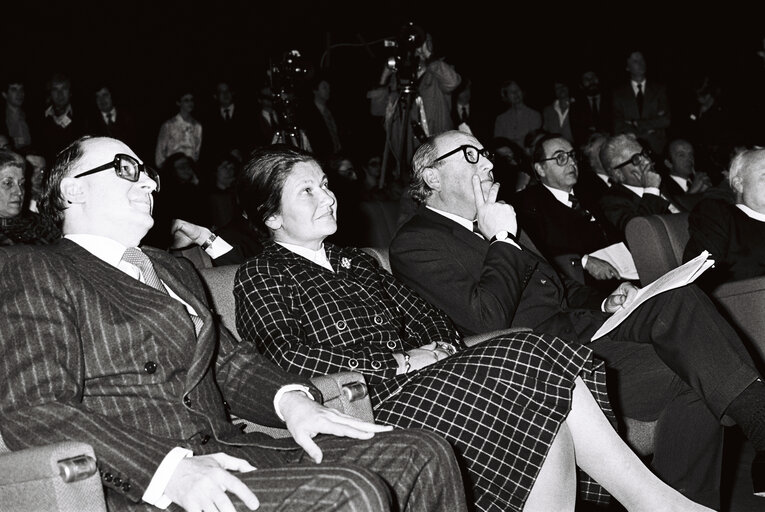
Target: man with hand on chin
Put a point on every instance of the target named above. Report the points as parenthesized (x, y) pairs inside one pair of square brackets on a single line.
[(115, 346), (668, 358)]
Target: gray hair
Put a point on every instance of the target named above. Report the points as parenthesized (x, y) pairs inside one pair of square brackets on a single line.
[(740, 163), (423, 158)]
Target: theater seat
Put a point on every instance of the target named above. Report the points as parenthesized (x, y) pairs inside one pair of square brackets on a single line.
[(657, 243)]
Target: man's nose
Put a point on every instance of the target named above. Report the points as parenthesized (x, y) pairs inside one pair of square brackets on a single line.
[(144, 181)]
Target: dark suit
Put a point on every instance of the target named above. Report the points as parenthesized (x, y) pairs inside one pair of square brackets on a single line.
[(93, 355), (672, 339), (123, 128), (620, 205), (584, 122), (677, 195), (311, 320), (52, 138), (652, 121), (222, 135)]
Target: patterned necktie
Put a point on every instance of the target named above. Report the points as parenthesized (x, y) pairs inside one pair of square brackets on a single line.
[(577, 206), (136, 257), (639, 99)]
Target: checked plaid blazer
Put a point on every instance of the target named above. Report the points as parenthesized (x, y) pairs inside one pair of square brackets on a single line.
[(499, 403)]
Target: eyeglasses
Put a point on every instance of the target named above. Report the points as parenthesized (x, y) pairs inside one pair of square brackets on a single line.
[(562, 158), (635, 159), (125, 167), (472, 154)]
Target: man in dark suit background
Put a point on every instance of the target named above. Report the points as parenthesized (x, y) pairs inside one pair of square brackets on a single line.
[(60, 124), (107, 121), (667, 359), (115, 346), (228, 127), (684, 185), (641, 106), (636, 187), (591, 112)]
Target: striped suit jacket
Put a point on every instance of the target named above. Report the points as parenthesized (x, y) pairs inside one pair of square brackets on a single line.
[(93, 355), (314, 321)]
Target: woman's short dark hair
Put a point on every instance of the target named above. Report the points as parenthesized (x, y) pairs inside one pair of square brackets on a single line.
[(262, 181), (52, 204)]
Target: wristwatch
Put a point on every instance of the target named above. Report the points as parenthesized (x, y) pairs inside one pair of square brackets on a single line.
[(501, 235)]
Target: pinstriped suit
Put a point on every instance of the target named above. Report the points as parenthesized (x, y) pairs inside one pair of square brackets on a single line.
[(499, 403), (91, 354)]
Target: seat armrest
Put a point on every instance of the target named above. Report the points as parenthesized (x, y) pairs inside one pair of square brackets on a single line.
[(475, 339), (743, 302), (61, 476)]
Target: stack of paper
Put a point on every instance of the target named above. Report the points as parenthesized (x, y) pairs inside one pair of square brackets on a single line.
[(620, 257), (682, 275)]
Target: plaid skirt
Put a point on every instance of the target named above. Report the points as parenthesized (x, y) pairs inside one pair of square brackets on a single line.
[(500, 404)]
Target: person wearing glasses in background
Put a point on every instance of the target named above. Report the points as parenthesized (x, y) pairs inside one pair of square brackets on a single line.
[(673, 359), (635, 185), (561, 225)]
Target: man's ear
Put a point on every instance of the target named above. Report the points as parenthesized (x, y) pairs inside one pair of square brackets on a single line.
[(737, 184), (668, 163), (72, 191), (274, 222), (431, 178), (540, 171)]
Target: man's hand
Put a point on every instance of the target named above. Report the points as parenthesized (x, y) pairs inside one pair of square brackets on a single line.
[(651, 178), (622, 297), (306, 419), (700, 183), (200, 483), (185, 233), (600, 269), (492, 216)]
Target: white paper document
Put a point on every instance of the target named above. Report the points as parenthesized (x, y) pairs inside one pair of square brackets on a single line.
[(621, 258), (680, 276)]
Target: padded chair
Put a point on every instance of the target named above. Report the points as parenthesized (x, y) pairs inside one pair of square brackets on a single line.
[(380, 222), (657, 243)]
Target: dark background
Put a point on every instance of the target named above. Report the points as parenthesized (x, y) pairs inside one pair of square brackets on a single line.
[(147, 50)]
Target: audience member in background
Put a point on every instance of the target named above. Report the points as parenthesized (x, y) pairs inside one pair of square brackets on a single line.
[(224, 205), (593, 180), (635, 184), (36, 170), (15, 123), (556, 220), (319, 123), (467, 115), (315, 308), (181, 133), (266, 119), (60, 124), (518, 120), (734, 235), (591, 112), (556, 117), (104, 340), (512, 168), (227, 128), (108, 121), (641, 106), (19, 226), (674, 357), (685, 185)]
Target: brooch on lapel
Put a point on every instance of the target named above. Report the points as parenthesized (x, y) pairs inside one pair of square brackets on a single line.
[(345, 263)]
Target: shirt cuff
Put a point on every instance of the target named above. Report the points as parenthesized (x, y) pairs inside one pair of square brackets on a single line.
[(286, 389), (584, 260), (603, 305), (155, 492), (652, 190), (511, 242), (218, 248)]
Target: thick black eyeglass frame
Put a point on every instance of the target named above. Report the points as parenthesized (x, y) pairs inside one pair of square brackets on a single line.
[(115, 164), (635, 159), (562, 157), (464, 148)]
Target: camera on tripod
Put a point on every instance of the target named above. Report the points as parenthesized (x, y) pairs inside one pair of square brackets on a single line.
[(405, 61), (287, 79)]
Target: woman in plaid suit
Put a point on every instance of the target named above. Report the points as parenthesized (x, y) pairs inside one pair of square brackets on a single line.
[(521, 410)]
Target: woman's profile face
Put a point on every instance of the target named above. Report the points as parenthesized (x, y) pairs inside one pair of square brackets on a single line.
[(11, 191), (308, 210)]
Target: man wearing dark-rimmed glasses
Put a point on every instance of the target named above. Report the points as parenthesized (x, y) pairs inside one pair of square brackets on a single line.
[(636, 186)]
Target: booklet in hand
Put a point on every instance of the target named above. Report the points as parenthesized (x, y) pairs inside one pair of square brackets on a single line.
[(675, 278)]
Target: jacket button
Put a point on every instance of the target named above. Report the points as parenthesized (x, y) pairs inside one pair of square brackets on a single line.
[(341, 325), (378, 319), (353, 364), (375, 365), (187, 400), (205, 439), (108, 477), (226, 406), (150, 367), (126, 487), (118, 482), (391, 344), (543, 281)]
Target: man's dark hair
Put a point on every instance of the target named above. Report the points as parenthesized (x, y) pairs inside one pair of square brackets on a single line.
[(52, 204)]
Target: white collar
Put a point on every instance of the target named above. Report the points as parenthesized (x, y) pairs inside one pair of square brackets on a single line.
[(683, 182), (560, 195), (230, 110), (49, 112), (606, 179), (319, 256), (462, 221), (101, 247), (112, 112), (560, 111), (638, 190), (751, 213)]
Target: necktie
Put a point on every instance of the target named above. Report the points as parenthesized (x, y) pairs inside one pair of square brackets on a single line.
[(639, 99), (577, 206), (227, 114), (595, 112), (139, 259)]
